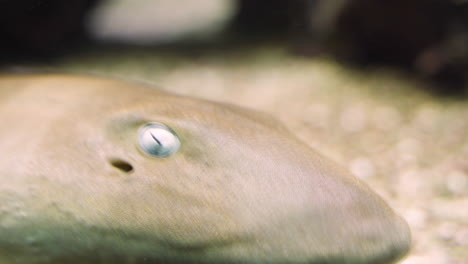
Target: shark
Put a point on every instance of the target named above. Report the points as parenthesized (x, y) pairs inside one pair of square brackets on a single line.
[(101, 170)]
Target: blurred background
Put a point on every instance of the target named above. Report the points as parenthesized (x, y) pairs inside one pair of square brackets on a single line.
[(378, 86)]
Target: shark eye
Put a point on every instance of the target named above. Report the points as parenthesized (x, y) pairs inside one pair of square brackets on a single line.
[(158, 140)]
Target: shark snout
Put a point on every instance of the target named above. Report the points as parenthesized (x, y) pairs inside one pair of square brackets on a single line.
[(336, 238), (291, 205), (323, 218), (329, 235)]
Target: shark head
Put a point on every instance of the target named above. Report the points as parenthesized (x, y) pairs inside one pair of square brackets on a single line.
[(124, 173)]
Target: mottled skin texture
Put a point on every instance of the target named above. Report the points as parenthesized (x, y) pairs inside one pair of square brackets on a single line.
[(241, 189)]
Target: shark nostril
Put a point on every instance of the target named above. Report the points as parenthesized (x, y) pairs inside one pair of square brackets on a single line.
[(121, 165)]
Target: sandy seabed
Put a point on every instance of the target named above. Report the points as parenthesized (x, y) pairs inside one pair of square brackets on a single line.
[(408, 145)]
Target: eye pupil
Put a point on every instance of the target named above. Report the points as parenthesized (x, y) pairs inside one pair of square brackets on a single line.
[(158, 140), (155, 138)]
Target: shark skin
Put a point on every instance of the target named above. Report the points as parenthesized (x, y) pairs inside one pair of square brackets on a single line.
[(75, 187)]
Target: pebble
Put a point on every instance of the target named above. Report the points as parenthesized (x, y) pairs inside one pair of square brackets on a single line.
[(426, 117), (417, 218), (409, 146), (447, 231), (461, 237), (386, 118), (457, 183), (353, 119), (413, 184), (432, 257), (450, 208), (362, 167), (159, 21), (318, 115)]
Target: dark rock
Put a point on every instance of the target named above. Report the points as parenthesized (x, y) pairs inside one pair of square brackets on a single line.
[(262, 16), (429, 37), (30, 28)]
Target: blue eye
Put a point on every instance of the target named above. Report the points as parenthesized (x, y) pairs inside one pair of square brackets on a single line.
[(158, 140)]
